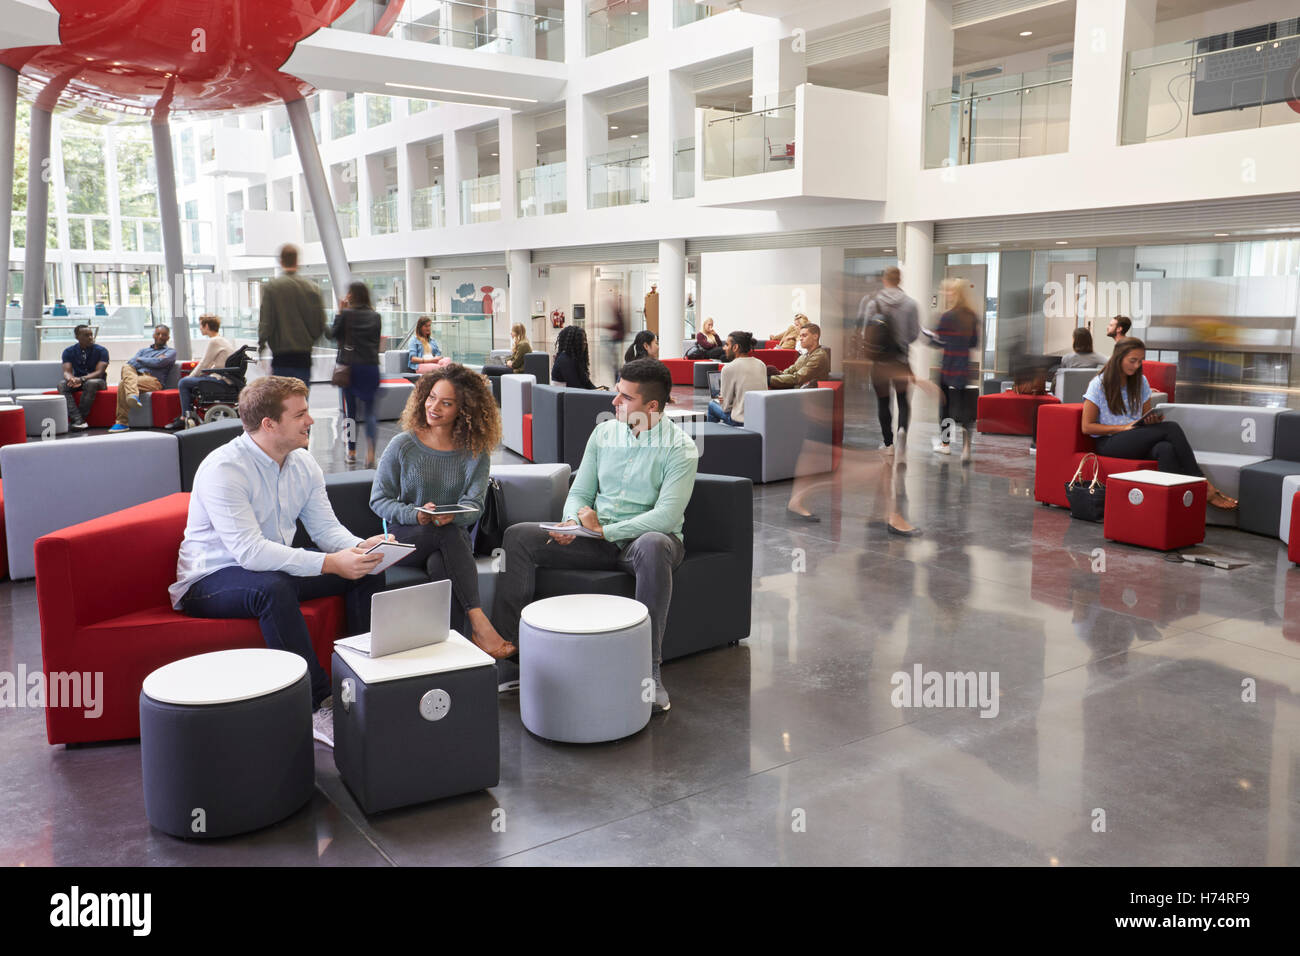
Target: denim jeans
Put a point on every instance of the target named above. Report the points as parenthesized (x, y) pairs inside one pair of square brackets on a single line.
[(292, 371), (273, 597), (89, 389), (716, 414)]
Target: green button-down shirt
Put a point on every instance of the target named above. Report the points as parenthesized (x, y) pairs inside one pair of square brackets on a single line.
[(636, 483)]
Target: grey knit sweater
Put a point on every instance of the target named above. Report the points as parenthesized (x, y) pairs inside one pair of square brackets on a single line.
[(411, 473)]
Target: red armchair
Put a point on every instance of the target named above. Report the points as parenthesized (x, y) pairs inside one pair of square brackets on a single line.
[(1009, 413), (1161, 376), (101, 590), (779, 359), (1061, 446), (682, 370)]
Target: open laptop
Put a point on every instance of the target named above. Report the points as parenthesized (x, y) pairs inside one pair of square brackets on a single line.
[(405, 618), (715, 384)]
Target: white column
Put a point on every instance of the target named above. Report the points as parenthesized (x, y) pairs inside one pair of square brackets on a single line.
[(832, 306), (1103, 31), (38, 207), (405, 189), (64, 257), (322, 206), (368, 167), (169, 216), (661, 19), (920, 60), (515, 25), (8, 140), (519, 262), (586, 134), (460, 157), (415, 297), (517, 135), (575, 28), (672, 117), (778, 68), (672, 297), (916, 260)]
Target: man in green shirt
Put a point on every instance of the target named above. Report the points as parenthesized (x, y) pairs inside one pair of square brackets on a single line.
[(291, 319), (630, 493), (813, 366)]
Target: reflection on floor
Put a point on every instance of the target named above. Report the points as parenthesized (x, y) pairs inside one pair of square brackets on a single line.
[(1147, 712)]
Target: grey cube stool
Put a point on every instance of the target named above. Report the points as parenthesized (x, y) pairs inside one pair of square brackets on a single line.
[(226, 742), (39, 408), (727, 450), (702, 369), (390, 400), (583, 663), (416, 726)]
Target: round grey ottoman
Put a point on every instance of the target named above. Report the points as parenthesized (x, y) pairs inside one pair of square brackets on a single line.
[(38, 408), (226, 742), (583, 663)]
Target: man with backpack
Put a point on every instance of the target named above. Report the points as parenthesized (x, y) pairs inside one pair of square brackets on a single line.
[(891, 323)]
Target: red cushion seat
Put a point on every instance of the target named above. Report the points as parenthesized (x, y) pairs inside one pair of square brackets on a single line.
[(779, 359), (1061, 446), (1009, 413), (682, 370)]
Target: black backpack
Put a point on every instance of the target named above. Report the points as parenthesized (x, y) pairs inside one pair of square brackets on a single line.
[(879, 340)]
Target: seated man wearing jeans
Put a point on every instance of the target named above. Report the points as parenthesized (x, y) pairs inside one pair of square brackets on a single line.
[(632, 488), (144, 372), (236, 560), (85, 369)]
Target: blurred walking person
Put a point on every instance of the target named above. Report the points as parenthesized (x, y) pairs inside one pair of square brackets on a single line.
[(892, 326), (957, 333), (356, 329)]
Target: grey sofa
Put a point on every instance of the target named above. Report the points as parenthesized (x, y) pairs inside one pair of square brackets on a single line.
[(195, 444), (796, 426), (53, 484), (516, 402), (1226, 440), (563, 420), (1261, 484)]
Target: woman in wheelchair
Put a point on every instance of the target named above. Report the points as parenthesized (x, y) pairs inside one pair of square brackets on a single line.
[(213, 395)]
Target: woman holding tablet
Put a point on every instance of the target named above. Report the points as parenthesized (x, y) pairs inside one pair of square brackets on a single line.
[(1117, 413), (441, 457)]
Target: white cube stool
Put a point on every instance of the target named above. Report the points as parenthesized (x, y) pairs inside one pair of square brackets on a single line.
[(42, 408), (1290, 485), (584, 667)]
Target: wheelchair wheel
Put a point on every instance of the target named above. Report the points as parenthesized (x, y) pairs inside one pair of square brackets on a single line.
[(219, 412)]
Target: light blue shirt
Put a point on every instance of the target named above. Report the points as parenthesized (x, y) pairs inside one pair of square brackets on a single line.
[(1105, 416), (244, 511), (636, 483), (415, 352)]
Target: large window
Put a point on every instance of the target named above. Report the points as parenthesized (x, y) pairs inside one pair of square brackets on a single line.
[(83, 172)]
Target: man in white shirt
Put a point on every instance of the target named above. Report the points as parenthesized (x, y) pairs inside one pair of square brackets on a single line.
[(218, 351), (237, 558), (742, 373)]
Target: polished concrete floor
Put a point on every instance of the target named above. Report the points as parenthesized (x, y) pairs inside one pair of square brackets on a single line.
[(1121, 735)]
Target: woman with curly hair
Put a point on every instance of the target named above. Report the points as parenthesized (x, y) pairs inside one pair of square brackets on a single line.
[(441, 457), (572, 365)]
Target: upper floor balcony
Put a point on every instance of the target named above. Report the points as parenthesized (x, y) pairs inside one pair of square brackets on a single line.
[(427, 209), (480, 200), (542, 190), (813, 141), (232, 151), (486, 26), (1213, 85), (1009, 116), (618, 178)]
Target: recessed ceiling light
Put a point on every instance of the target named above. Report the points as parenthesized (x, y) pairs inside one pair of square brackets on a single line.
[(1062, 242), (613, 127), (1026, 33), (634, 136), (494, 154), (889, 250), (539, 145), (438, 89), (1220, 233)]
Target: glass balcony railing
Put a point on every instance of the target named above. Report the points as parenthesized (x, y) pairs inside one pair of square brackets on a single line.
[(196, 237), (235, 228), (281, 141), (383, 216), (543, 190), (347, 216), (465, 338), (427, 210), (1182, 89), (480, 200), (537, 32), (688, 11), (758, 141), (614, 23), (343, 119), (684, 168), (620, 178), (1003, 117)]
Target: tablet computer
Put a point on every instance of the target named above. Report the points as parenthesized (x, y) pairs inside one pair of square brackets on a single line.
[(448, 510), (392, 551)]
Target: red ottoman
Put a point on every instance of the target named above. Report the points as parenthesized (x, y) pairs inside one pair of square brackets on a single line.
[(13, 425), (1155, 509), (1293, 547), (165, 406), (1009, 413), (682, 370), (528, 436)]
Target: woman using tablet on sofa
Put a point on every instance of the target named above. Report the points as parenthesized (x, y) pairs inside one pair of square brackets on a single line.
[(1117, 413), (442, 457)]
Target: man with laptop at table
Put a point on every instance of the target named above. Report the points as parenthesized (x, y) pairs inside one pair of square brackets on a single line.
[(237, 558), (626, 509)]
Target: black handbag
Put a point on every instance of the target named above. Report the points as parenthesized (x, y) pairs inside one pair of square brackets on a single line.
[(1087, 501), (490, 532), (342, 376)]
